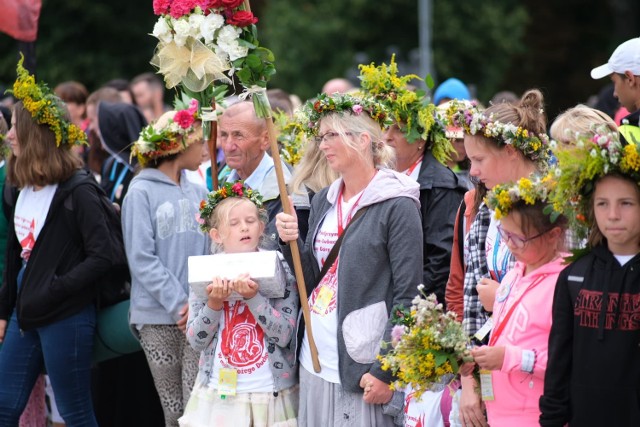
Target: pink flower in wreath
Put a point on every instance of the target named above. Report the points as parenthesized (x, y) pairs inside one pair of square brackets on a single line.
[(184, 118), (237, 188), (161, 7), (357, 109)]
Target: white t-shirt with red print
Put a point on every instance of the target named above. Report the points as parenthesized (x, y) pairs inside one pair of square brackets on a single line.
[(323, 300), (31, 211), (241, 346), (423, 412)]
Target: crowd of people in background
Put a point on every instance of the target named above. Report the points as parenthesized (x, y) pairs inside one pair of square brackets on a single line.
[(379, 204)]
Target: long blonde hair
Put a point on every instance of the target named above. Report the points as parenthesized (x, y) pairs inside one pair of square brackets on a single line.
[(313, 171)]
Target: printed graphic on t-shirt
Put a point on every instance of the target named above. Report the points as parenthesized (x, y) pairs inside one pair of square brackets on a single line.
[(26, 234), (423, 412), (621, 311), (242, 340)]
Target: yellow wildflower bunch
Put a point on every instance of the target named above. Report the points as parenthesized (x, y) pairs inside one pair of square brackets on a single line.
[(291, 137), (427, 345), (411, 109), (46, 108)]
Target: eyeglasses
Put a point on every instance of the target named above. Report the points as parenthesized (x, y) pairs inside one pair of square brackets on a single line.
[(517, 241), (328, 136)]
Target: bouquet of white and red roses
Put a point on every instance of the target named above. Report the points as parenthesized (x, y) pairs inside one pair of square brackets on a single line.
[(201, 40)]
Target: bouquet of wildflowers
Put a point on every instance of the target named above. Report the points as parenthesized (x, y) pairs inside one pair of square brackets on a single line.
[(427, 344), (200, 40)]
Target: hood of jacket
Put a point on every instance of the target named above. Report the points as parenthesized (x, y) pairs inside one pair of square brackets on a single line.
[(386, 184), (120, 125)]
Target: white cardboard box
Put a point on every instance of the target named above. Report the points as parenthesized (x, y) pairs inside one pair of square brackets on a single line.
[(264, 267)]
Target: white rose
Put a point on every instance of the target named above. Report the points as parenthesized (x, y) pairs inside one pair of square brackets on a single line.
[(209, 25), (183, 30), (161, 31), (228, 34), (195, 21), (236, 51)]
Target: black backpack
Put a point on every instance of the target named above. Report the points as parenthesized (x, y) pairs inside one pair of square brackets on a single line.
[(114, 286)]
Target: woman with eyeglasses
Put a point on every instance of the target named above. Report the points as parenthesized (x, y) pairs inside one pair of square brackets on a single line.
[(518, 345), (504, 143), (378, 265)]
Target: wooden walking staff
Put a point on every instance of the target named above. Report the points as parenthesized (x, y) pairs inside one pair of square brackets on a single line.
[(295, 251), (213, 147)]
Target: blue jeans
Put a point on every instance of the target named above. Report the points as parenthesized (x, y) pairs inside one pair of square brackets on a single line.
[(65, 349)]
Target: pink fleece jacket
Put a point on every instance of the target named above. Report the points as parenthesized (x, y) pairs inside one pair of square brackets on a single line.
[(517, 392)]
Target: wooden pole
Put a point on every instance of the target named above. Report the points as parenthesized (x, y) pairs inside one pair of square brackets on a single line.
[(295, 251), (213, 147)]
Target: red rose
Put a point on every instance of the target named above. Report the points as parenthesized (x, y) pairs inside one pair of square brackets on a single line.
[(242, 18), (184, 118), (237, 187), (202, 204), (231, 4), (210, 4)]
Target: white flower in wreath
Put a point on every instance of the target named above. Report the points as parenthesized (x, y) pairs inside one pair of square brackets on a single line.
[(162, 31), (209, 25), (182, 30)]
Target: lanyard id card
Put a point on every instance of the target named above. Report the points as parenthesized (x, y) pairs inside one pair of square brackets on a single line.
[(486, 385), (323, 300), (227, 382), (484, 330)]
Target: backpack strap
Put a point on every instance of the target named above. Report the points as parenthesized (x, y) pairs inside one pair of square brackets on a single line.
[(461, 227), (333, 254)]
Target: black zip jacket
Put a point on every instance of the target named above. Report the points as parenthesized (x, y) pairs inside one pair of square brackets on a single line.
[(593, 372), (441, 192), (60, 277)]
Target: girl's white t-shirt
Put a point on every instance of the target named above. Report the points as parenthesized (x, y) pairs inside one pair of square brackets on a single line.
[(623, 259), (323, 301), (31, 211), (242, 346)]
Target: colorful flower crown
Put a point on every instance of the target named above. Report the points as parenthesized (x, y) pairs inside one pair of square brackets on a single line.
[(169, 138), (45, 107), (532, 146), (416, 116), (340, 103), (502, 197), (580, 166), (226, 190)]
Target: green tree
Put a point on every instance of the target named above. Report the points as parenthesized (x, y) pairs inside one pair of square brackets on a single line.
[(91, 43), (315, 40)]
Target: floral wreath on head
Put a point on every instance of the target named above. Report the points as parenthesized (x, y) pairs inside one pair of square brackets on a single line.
[(580, 166), (417, 117), (340, 103), (474, 122), (503, 197), (226, 190), (154, 143), (45, 107)]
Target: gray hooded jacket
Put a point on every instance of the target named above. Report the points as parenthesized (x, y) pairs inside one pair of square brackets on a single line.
[(380, 267), (160, 232)]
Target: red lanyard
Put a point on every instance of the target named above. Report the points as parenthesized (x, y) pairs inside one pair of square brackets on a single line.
[(500, 327), (413, 166), (340, 225)]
